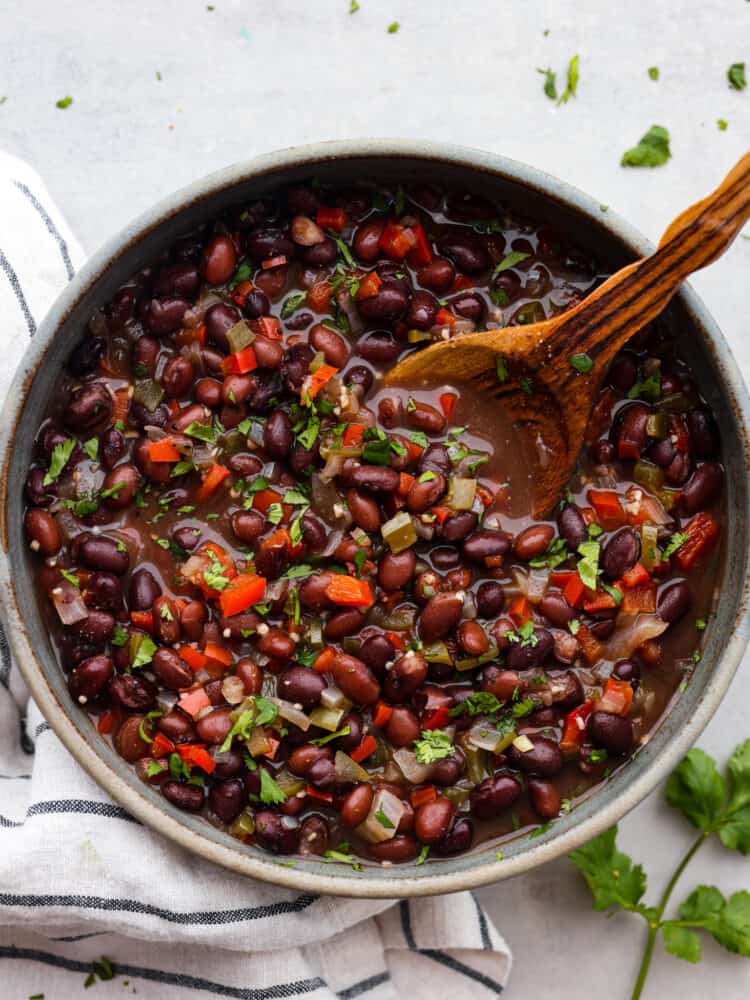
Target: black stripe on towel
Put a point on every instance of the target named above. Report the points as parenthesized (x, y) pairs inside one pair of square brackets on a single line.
[(15, 285), (364, 986), (80, 807), (439, 956), (199, 918), (169, 978), (51, 227)]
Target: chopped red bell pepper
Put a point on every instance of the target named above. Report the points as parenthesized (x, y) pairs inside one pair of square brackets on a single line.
[(353, 434), (163, 451), (349, 591), (323, 662), (319, 296), (195, 754), (162, 745), (445, 318), (272, 262), (143, 619), (448, 403), (319, 378), (639, 598), (608, 508), (461, 283), (217, 653), (368, 745), (240, 293), (192, 702), (635, 577), (575, 727), (589, 645), (105, 723), (314, 793), (616, 699), (369, 286), (702, 532), (559, 577), (245, 590), (421, 252), (421, 796), (405, 482), (598, 600), (396, 640), (394, 241), (574, 591), (381, 715), (120, 406), (193, 657), (520, 610), (267, 326), (437, 719), (240, 362), (329, 217), (216, 475)]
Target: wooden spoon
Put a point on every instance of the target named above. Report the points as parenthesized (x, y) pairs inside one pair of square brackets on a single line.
[(543, 393)]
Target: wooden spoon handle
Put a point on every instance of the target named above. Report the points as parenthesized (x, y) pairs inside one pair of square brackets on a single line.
[(634, 296)]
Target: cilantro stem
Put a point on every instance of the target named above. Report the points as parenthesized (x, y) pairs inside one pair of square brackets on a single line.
[(654, 924)]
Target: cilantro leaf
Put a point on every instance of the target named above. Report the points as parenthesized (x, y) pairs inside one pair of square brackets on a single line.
[(611, 875), (571, 85), (510, 260), (727, 921), (676, 542), (91, 447), (652, 149), (648, 389), (582, 363), (292, 304), (735, 827), (588, 566), (681, 942), (697, 789), (653, 72), (434, 745), (736, 76), (550, 83), (144, 653), (270, 791), (60, 455)]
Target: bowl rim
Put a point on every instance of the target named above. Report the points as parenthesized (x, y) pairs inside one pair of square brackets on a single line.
[(393, 885)]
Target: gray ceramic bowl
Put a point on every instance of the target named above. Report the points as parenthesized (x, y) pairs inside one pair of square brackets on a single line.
[(528, 190)]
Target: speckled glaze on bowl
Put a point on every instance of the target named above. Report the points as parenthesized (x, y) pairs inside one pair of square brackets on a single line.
[(528, 190)]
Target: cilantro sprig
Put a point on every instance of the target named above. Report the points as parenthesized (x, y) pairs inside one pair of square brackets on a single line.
[(715, 805)]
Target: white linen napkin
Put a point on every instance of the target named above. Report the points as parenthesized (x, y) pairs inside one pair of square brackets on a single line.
[(80, 878)]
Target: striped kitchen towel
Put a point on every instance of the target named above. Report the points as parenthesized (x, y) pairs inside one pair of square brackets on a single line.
[(81, 879)]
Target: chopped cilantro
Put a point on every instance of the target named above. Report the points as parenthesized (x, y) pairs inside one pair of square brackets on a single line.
[(119, 637), (63, 103), (676, 542), (722, 124), (479, 703), (203, 432), (571, 85), (510, 260), (582, 363), (292, 304), (381, 817), (91, 447), (71, 578), (60, 455), (322, 740), (588, 565), (501, 368), (434, 745), (647, 388), (736, 76), (393, 27), (550, 83), (652, 149), (270, 791), (653, 72), (423, 854), (527, 385), (353, 7), (144, 653)]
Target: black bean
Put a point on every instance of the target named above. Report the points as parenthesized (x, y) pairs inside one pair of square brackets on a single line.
[(133, 692), (85, 356), (572, 527), (528, 655), (103, 591), (301, 686), (275, 833), (186, 797), (704, 434), (227, 799), (544, 758), (703, 489), (277, 435), (490, 599), (620, 553), (143, 590), (673, 601), (219, 319), (612, 733), (494, 795), (466, 250), (162, 316), (379, 347), (626, 670), (100, 552), (422, 311), (457, 840), (88, 406), (486, 544)]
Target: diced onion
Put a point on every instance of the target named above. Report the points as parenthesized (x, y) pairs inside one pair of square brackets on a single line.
[(68, 603), (486, 737), (166, 700), (327, 718), (383, 818), (333, 697), (523, 743), (348, 771), (629, 635), (233, 690), (292, 714), (410, 767), (537, 585)]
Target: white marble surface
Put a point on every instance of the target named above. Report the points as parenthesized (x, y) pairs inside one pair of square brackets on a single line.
[(253, 76)]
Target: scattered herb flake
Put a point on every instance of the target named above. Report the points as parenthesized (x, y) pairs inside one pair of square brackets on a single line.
[(653, 72), (571, 85), (550, 83), (63, 103), (393, 27), (736, 76), (652, 149), (510, 260), (582, 363)]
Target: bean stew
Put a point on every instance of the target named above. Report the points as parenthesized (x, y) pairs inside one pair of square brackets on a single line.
[(319, 612)]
